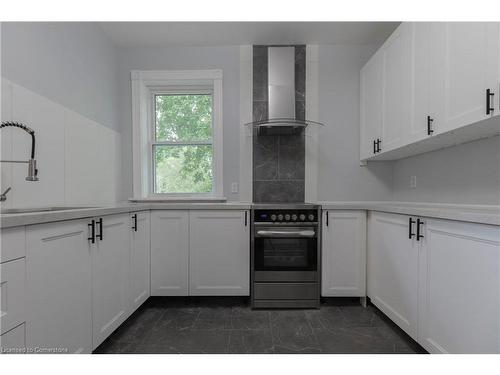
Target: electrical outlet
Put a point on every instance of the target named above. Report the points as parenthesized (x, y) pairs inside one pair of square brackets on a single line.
[(413, 182), (234, 187)]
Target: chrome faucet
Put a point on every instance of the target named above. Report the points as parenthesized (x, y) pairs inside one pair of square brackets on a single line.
[(3, 196), (32, 170)]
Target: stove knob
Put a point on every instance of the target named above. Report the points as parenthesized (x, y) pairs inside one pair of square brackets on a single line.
[(280, 217), (287, 217), (302, 217), (294, 217), (273, 217), (311, 217)]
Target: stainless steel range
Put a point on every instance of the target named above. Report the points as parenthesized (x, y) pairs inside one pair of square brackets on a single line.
[(285, 256)]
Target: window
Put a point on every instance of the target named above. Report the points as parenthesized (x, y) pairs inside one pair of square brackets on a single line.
[(177, 133), (182, 146)]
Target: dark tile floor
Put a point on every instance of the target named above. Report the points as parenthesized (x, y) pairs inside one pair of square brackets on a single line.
[(228, 325)]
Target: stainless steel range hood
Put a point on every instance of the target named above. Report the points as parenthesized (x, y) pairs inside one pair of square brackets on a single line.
[(281, 95)]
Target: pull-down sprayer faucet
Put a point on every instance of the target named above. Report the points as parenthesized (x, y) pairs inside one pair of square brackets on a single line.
[(32, 170)]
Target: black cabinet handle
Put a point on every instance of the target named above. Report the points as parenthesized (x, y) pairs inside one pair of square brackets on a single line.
[(378, 145), (327, 218), (410, 226), (92, 231), (134, 216), (374, 146), (489, 97), (99, 235), (246, 218), (419, 223), (430, 120)]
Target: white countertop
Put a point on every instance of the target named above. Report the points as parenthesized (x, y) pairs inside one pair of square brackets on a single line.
[(482, 214), (19, 219)]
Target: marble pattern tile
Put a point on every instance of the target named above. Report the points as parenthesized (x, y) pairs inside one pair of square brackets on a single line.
[(212, 325), (278, 191), (291, 157)]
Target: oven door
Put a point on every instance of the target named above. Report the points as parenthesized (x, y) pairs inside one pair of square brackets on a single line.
[(285, 253)]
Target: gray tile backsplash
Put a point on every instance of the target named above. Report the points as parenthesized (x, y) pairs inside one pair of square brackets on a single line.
[(278, 160)]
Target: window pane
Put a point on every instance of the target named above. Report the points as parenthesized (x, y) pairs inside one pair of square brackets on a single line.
[(183, 117), (183, 169)]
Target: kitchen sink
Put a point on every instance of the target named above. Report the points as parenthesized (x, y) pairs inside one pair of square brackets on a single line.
[(8, 211)]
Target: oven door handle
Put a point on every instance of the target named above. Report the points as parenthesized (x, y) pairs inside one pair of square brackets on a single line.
[(289, 233)]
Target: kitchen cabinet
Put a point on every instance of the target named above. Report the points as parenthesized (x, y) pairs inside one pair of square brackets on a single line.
[(110, 275), (139, 258), (169, 253), (459, 285), (59, 306), (393, 268), (371, 105), (13, 244), (397, 86), (428, 79), (219, 252), (462, 68), (12, 294), (343, 259)]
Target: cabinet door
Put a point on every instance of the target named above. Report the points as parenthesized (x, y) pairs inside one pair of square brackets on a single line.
[(371, 105), (493, 49), (219, 257), (393, 269), (397, 92), (58, 268), (169, 253), (110, 275), (139, 259), (343, 254), (459, 304), (459, 73)]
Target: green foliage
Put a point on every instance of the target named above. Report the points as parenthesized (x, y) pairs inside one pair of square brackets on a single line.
[(183, 168)]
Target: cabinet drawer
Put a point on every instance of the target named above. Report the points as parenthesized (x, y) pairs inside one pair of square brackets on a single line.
[(14, 341), (13, 244), (285, 291), (12, 294)]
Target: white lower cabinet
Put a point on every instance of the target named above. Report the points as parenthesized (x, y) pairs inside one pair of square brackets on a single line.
[(459, 304), (169, 253), (219, 252), (343, 254), (444, 289), (110, 275), (59, 306), (393, 269), (139, 259)]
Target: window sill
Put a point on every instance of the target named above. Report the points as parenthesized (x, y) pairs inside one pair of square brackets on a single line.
[(180, 199)]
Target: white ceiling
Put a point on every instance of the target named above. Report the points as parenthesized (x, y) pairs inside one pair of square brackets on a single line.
[(164, 34)]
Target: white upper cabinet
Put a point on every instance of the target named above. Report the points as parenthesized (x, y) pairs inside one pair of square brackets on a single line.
[(459, 287), (139, 258), (110, 275), (58, 267), (343, 258), (219, 256), (397, 87), (461, 72), (430, 78), (169, 253), (371, 105), (393, 269)]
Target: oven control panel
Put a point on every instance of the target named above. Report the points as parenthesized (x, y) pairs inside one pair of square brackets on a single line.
[(285, 216)]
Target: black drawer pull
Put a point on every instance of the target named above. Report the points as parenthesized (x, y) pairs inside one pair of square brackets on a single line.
[(100, 229), (419, 223), (489, 100), (92, 231), (134, 227), (430, 120), (410, 227)]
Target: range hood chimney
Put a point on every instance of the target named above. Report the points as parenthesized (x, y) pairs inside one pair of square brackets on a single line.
[(281, 95)]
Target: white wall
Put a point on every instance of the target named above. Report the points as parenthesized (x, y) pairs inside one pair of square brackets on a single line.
[(468, 174), (225, 58), (340, 177), (59, 79)]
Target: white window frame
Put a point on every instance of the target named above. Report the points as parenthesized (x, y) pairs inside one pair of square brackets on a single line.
[(146, 84)]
